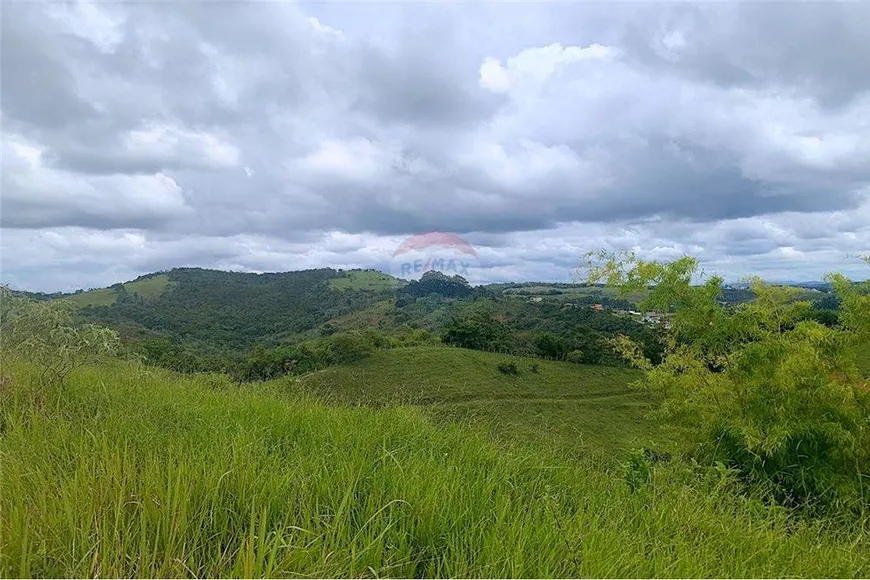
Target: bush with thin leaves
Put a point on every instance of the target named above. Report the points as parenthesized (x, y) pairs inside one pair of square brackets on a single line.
[(759, 386), (45, 334), (576, 357)]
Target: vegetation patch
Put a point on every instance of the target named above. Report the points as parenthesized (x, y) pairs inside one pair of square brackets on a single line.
[(363, 280), (576, 410), (132, 472)]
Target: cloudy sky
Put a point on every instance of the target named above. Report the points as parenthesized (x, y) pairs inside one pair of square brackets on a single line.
[(272, 136)]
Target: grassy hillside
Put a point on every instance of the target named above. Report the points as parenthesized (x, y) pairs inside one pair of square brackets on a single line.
[(148, 287), (380, 314), (576, 408), (364, 280), (134, 472)]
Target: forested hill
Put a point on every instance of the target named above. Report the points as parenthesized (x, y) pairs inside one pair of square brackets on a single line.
[(232, 309), (256, 326)]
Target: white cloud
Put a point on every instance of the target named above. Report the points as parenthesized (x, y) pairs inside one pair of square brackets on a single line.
[(161, 144), (533, 66), (37, 195)]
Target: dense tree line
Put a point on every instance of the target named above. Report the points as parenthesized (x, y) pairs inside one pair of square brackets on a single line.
[(234, 310), (252, 326), (547, 330), (436, 283)]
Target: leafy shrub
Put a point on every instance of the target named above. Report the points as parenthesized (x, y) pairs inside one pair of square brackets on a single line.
[(508, 368), (637, 469), (434, 282), (339, 348), (575, 356), (416, 337), (758, 385), (348, 347), (534, 368), (43, 332), (480, 331), (549, 345)]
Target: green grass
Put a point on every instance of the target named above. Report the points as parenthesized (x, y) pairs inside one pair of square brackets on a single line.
[(370, 317), (98, 297), (363, 280), (864, 359), (148, 288), (575, 408), (135, 472)]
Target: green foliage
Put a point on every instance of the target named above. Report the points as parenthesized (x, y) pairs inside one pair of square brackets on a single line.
[(364, 280), (637, 470), (580, 410), (350, 347), (416, 337), (270, 362), (43, 333), (758, 385), (551, 346), (480, 331), (434, 282), (508, 368), (145, 287), (194, 320), (340, 348), (180, 356), (863, 355), (829, 318), (134, 472), (231, 310), (575, 356)]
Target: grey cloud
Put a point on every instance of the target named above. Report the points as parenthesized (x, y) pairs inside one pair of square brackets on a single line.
[(426, 81), (819, 48), (37, 88), (275, 125)]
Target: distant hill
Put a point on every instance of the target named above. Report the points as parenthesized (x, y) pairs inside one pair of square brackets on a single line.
[(195, 319), (231, 309)]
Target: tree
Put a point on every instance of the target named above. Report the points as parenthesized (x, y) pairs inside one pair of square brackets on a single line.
[(478, 330), (551, 346), (760, 385), (434, 282), (576, 357)]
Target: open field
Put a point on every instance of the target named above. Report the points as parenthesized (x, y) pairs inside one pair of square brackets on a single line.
[(137, 472), (98, 297), (364, 280), (575, 408), (150, 287)]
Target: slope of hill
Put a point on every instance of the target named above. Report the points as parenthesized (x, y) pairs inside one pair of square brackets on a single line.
[(365, 280), (576, 408), (148, 287), (227, 309), (131, 472)]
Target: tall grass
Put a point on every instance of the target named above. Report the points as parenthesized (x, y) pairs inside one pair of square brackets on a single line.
[(134, 472)]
